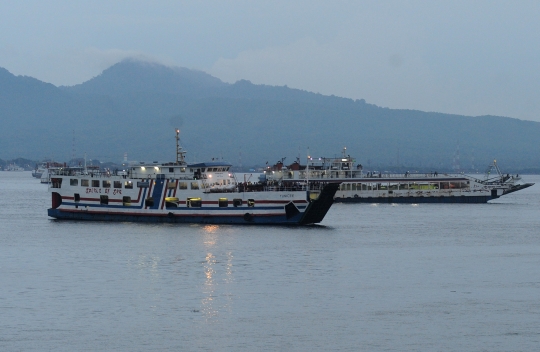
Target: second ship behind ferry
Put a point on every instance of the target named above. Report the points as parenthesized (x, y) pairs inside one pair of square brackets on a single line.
[(375, 187), (179, 192)]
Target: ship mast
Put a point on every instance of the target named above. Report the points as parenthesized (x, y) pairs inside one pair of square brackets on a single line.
[(179, 152), (307, 171)]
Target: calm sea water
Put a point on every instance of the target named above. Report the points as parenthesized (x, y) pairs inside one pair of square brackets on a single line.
[(428, 277)]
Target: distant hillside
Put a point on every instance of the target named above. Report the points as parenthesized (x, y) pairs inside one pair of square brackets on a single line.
[(134, 106), (134, 76)]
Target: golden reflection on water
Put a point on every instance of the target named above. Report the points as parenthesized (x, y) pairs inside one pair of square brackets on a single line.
[(209, 287), (215, 274), (210, 241)]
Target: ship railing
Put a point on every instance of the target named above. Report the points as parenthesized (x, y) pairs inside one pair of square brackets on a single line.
[(285, 189), (90, 173), (70, 172), (344, 174), (258, 187), (376, 174)]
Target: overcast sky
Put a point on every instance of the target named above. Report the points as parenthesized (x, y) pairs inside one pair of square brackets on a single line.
[(464, 57)]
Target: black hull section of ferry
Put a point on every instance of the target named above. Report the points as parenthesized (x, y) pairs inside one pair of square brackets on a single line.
[(518, 188), (318, 208), (416, 200), (245, 219)]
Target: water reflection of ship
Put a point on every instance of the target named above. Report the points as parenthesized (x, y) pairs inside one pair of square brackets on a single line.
[(218, 275)]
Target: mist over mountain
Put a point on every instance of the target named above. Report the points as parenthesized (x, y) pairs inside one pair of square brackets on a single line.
[(134, 107)]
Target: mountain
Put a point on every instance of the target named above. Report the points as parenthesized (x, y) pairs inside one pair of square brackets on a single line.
[(131, 76), (134, 107)]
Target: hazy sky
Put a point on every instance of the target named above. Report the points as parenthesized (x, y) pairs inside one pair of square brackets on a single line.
[(465, 57)]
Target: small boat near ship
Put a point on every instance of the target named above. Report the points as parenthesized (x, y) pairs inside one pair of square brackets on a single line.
[(376, 187), (39, 170), (178, 192)]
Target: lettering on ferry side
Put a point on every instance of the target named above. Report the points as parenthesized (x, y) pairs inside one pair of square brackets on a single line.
[(286, 195), (93, 190), (117, 191)]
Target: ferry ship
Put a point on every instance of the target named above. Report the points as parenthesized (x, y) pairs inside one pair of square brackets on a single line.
[(42, 171), (376, 187), (178, 192)]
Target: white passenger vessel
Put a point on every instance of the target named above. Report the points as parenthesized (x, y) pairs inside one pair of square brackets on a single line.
[(14, 167), (179, 192), (46, 169), (375, 187)]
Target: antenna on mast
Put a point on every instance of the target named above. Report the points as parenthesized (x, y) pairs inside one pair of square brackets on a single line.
[(179, 152)]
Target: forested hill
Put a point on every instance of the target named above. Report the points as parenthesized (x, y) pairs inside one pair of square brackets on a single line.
[(134, 107)]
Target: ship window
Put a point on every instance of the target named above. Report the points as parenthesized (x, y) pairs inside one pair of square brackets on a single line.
[(182, 185), (117, 184), (251, 202), (73, 182), (56, 183), (77, 197), (182, 169), (223, 202), (237, 202), (171, 169), (104, 199), (85, 183), (194, 185), (353, 187), (128, 184), (171, 184), (95, 183), (149, 202), (106, 184), (126, 201), (194, 202)]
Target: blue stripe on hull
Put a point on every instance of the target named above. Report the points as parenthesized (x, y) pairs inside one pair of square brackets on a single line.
[(171, 218), (410, 200), (156, 193)]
